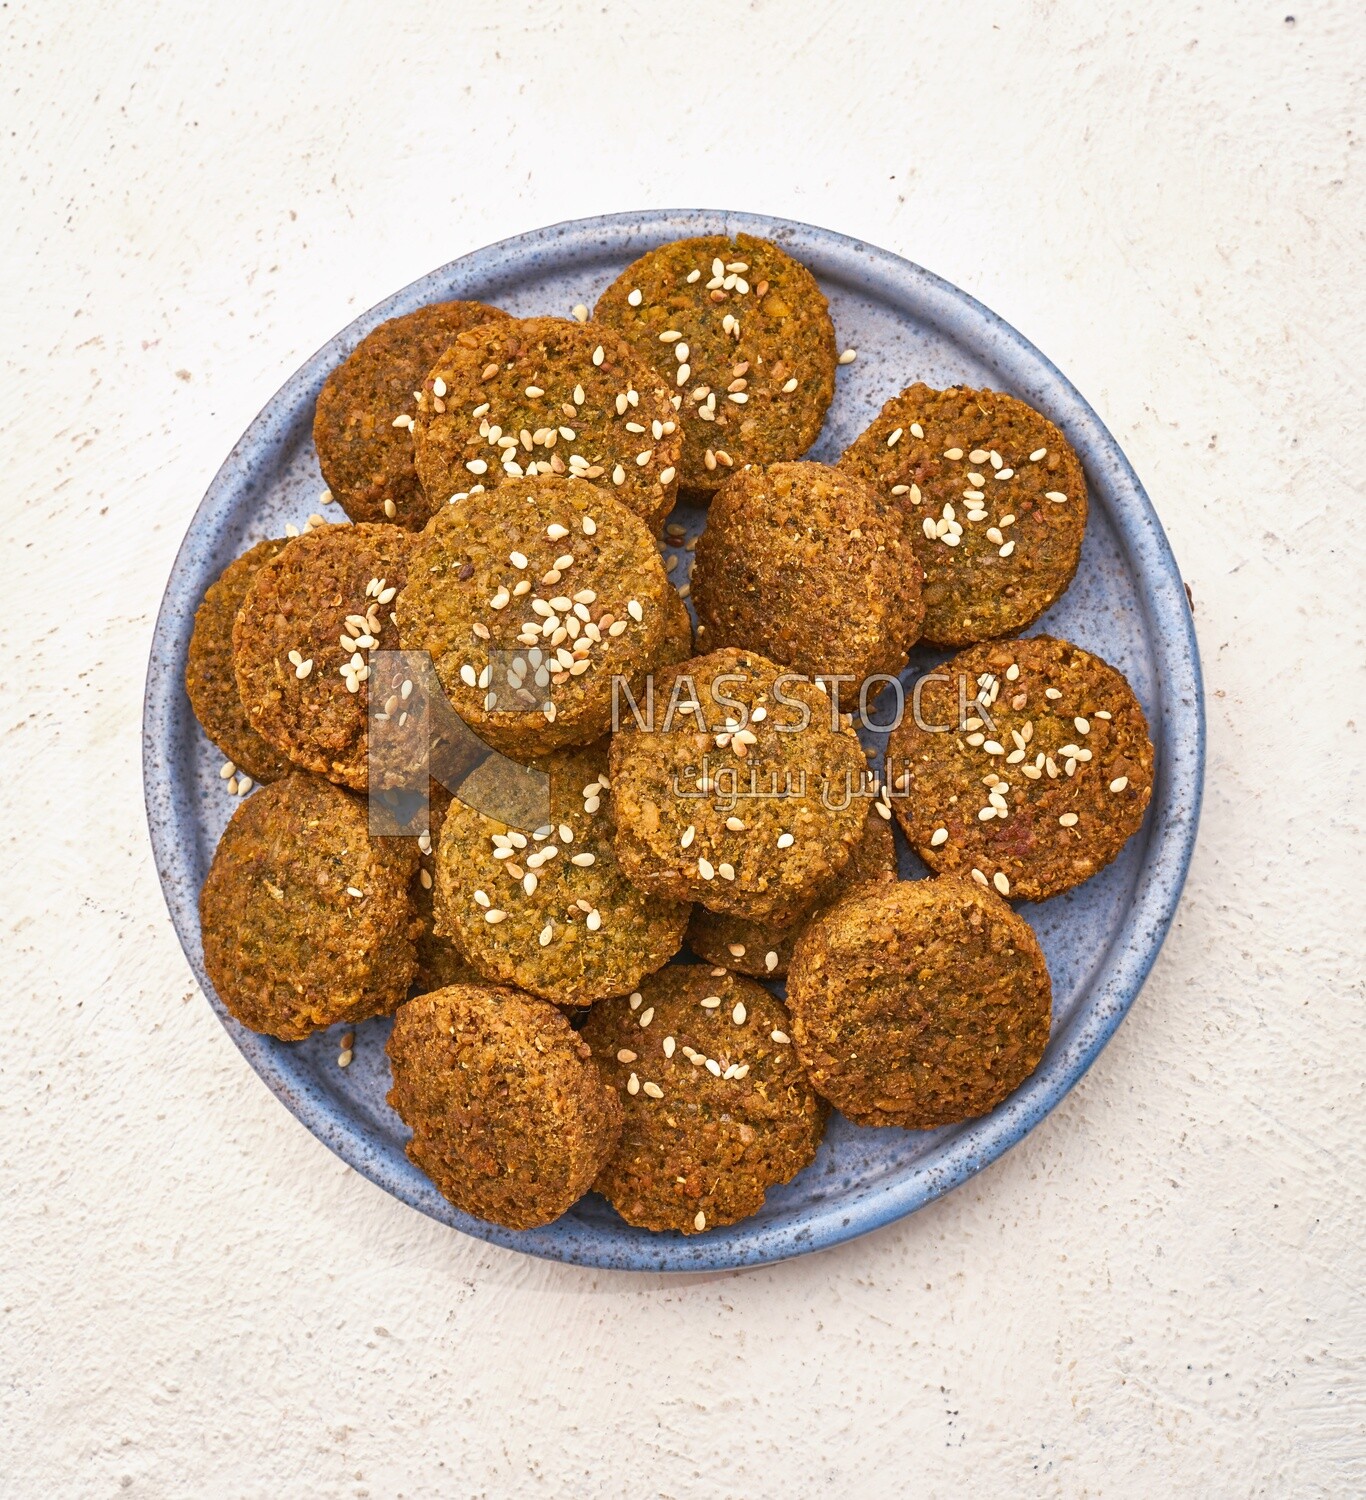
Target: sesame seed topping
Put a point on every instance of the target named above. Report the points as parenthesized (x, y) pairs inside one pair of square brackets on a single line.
[(625, 1055), (979, 877), (848, 357), (770, 960), (1119, 783), (1068, 820), (598, 355), (669, 1046), (1055, 496), (589, 525), (739, 1013), (700, 1221), (786, 840), (1052, 693), (580, 312), (1001, 883), (706, 869), (711, 1002), (635, 298), (953, 453), (653, 1090), (633, 1084), (939, 836)]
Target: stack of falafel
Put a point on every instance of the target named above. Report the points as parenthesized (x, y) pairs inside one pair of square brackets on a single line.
[(507, 481)]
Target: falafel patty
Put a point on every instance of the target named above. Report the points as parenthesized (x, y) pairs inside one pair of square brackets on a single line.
[(744, 792), (919, 1004), (362, 422), (764, 949), (531, 599), (716, 1106), (302, 636), (210, 681), (547, 396), (510, 1116), (1044, 781), (811, 566), (546, 906), (996, 501), (743, 333), (306, 920)]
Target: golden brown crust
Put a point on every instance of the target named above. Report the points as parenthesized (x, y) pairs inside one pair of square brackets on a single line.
[(312, 599), (919, 1004), (759, 371), (810, 566), (210, 681), (764, 949), (716, 1106), (677, 837), (1007, 510), (365, 459), (564, 398), (306, 920), (510, 1117), (462, 580), (552, 914), (1067, 746)]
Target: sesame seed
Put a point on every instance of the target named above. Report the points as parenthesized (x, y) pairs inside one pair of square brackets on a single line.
[(786, 840), (939, 836), (583, 860), (227, 769), (635, 298), (1055, 496), (477, 466), (700, 1222), (635, 611), (894, 438), (1001, 883), (979, 877), (625, 1055), (848, 357), (1068, 820), (1007, 549), (653, 1090), (669, 1045), (580, 312), (706, 869), (646, 1016), (739, 1013), (390, 509), (598, 355), (633, 1084), (589, 525), (1052, 693), (953, 453), (711, 1002), (1119, 783)]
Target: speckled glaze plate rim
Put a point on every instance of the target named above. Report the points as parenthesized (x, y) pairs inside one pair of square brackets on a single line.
[(1173, 814)]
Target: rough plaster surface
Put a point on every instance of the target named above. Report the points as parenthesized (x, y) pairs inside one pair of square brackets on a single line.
[(1160, 1291)]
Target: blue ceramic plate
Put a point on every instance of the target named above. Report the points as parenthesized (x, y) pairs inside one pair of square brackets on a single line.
[(1127, 604)]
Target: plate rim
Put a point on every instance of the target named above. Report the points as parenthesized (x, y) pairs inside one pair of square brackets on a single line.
[(1172, 819)]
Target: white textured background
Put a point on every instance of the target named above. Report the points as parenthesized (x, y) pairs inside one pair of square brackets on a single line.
[(1160, 1291)]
